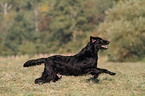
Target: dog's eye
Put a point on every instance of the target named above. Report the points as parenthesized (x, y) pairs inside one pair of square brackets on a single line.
[(101, 41)]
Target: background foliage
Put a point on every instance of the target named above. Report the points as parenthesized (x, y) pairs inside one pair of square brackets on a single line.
[(124, 27), (64, 26)]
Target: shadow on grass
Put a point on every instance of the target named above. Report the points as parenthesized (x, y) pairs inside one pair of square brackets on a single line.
[(93, 80)]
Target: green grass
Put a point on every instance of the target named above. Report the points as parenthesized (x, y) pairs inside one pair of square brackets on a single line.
[(18, 81)]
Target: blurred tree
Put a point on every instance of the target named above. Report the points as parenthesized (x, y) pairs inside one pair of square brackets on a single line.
[(48, 26), (21, 30), (65, 15), (6, 19), (124, 27), (33, 6), (5, 7), (73, 16), (72, 20)]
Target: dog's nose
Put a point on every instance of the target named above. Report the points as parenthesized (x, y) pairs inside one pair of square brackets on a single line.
[(108, 42)]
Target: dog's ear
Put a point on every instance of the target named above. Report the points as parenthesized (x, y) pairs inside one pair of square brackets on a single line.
[(92, 39)]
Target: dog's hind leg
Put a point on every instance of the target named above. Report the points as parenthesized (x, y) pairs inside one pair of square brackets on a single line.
[(42, 79), (52, 76), (48, 75), (39, 80)]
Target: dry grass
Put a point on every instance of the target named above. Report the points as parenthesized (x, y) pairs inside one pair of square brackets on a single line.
[(18, 81)]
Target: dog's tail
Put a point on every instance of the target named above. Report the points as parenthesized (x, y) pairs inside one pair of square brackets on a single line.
[(34, 62)]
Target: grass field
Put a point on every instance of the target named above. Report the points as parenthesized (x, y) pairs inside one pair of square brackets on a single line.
[(18, 81)]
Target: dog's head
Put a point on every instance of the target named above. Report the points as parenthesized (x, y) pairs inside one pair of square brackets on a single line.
[(99, 43)]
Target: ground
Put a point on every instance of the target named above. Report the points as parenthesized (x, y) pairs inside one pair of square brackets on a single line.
[(15, 80)]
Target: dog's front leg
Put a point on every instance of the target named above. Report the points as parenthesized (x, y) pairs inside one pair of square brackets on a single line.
[(94, 71), (106, 71)]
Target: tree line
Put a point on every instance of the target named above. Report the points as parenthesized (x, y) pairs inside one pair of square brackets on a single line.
[(64, 26)]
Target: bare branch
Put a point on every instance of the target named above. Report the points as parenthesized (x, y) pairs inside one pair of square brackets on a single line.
[(10, 6), (6, 5), (2, 5)]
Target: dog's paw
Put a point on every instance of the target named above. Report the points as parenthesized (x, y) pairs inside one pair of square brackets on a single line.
[(112, 73)]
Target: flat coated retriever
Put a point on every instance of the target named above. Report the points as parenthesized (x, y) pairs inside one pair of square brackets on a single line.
[(85, 62)]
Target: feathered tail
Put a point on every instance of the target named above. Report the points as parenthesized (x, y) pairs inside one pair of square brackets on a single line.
[(34, 62)]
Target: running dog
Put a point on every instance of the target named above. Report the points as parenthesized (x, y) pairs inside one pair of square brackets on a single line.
[(85, 62)]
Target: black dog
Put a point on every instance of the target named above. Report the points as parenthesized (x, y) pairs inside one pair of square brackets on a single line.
[(85, 62)]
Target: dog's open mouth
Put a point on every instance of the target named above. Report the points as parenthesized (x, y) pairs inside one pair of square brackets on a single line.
[(104, 47)]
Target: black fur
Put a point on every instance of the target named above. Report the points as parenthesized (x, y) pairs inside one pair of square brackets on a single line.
[(85, 62)]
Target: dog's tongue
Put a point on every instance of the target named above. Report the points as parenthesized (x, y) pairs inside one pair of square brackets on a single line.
[(104, 46)]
